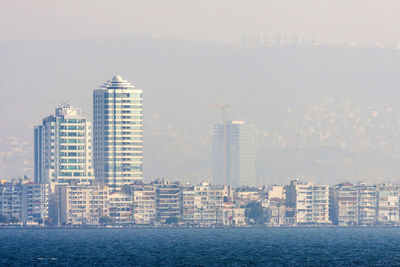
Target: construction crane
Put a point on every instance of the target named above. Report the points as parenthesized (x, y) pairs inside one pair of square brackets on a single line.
[(223, 109)]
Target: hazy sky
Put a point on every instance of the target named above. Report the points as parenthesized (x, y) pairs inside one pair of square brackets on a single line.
[(216, 21)]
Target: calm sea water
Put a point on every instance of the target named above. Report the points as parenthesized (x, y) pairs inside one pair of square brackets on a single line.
[(201, 247)]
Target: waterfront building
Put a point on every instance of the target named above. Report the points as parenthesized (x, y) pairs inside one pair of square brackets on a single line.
[(208, 201), (233, 214), (344, 204), (120, 208), (234, 154), (144, 202), (188, 209), (63, 148), (388, 204), (24, 201), (276, 211), (117, 133), (168, 199), (367, 204), (11, 201), (35, 203), (311, 202), (80, 204)]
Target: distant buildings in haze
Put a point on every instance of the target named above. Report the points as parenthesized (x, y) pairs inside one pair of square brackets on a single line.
[(234, 153)]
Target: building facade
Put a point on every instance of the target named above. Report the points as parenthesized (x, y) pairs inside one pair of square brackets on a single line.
[(388, 204), (144, 202), (168, 199), (367, 204), (234, 154), (120, 208), (311, 202), (117, 134), (80, 204), (344, 204), (63, 148), (24, 202), (35, 203)]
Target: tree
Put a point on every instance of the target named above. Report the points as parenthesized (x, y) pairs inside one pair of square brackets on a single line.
[(3, 219), (254, 212), (172, 220), (14, 220), (105, 220)]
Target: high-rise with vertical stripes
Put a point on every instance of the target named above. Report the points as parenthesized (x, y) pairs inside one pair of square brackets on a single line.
[(117, 133)]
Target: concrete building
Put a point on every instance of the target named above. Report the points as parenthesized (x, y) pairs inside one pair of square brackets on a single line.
[(168, 199), (80, 204), (233, 214), (276, 192), (311, 202), (24, 201), (344, 204), (208, 201), (388, 204), (144, 202), (187, 204), (117, 133), (234, 154), (120, 208), (11, 201), (367, 204), (35, 203), (63, 148), (276, 211)]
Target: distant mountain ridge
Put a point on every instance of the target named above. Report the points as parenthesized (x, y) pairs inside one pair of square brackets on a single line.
[(182, 81)]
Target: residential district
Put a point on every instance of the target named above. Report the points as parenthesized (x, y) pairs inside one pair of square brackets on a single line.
[(93, 176)]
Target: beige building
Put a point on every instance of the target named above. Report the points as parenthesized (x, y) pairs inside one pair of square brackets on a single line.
[(144, 202), (367, 204), (344, 204), (233, 214), (120, 208), (311, 202), (388, 204), (80, 204), (208, 201), (188, 209)]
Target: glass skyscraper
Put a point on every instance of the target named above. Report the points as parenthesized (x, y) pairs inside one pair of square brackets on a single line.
[(63, 148), (117, 133), (234, 154)]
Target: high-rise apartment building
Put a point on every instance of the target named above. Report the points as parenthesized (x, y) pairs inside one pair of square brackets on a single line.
[(311, 202), (80, 204), (63, 148), (344, 204), (234, 154), (117, 142), (388, 204)]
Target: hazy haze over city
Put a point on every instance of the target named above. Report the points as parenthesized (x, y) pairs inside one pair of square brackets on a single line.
[(328, 112)]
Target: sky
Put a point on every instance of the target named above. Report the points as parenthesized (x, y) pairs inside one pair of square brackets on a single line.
[(213, 21), (186, 56)]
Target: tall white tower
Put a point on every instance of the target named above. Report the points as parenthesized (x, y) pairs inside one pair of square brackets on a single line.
[(63, 148), (117, 133)]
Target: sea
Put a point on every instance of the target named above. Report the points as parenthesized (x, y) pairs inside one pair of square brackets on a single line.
[(312, 246)]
